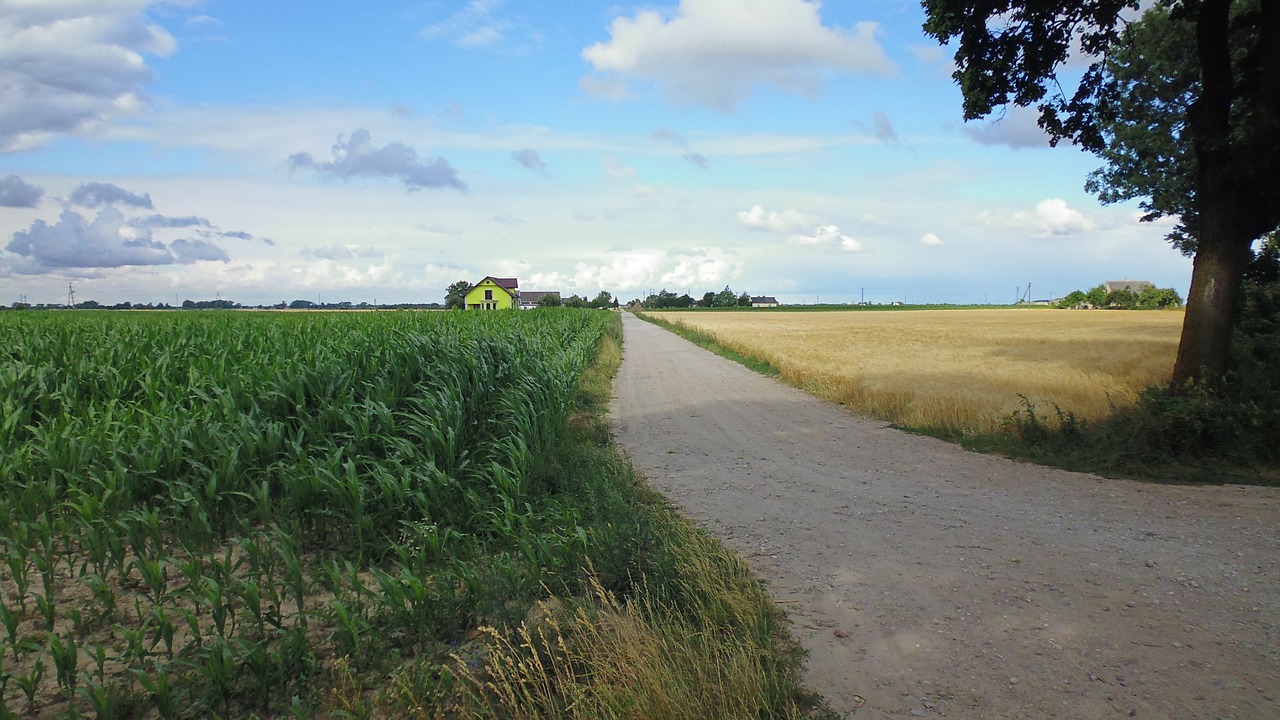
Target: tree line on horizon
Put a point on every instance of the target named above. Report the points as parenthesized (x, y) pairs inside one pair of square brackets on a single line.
[(1149, 298)]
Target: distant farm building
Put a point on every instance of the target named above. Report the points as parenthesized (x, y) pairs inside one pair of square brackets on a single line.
[(494, 293), (763, 301), (530, 299), (1133, 286)]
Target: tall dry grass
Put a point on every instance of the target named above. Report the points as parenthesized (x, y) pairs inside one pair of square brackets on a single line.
[(963, 370)]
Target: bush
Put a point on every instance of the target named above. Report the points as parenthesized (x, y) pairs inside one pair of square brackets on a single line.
[(1195, 432)]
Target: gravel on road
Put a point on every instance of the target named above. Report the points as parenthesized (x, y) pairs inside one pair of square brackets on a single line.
[(931, 581)]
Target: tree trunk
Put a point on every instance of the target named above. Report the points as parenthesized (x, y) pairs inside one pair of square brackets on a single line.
[(1212, 304), (1222, 247)]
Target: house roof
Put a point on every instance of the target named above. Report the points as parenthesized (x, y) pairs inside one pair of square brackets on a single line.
[(1131, 285), (764, 299), (511, 285), (533, 297)]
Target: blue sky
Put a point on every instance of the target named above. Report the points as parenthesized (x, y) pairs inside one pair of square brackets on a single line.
[(382, 150)]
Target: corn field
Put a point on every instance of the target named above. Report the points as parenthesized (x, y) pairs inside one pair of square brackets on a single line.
[(201, 513)]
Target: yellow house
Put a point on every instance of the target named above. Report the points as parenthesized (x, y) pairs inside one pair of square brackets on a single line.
[(494, 293)]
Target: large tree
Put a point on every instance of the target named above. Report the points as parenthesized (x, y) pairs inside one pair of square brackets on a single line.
[(1187, 117), (455, 296)]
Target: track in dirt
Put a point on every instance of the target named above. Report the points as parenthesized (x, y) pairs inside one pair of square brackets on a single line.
[(936, 582)]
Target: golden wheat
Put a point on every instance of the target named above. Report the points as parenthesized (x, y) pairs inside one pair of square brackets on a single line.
[(959, 369)]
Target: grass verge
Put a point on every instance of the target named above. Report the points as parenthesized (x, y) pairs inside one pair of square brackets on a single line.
[(707, 341), (672, 625)]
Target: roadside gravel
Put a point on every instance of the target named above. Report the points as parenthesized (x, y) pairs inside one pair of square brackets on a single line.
[(925, 580)]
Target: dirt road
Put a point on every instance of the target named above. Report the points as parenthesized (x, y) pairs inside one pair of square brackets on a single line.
[(936, 582)]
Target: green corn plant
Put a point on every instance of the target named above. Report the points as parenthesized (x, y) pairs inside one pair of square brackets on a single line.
[(10, 621), (18, 563), (104, 598), (65, 658), (217, 660), (159, 691), (162, 629), (154, 576), (30, 684)]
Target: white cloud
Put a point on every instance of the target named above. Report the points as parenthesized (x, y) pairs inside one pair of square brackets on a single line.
[(931, 240), (475, 25), (1052, 216), (70, 67), (806, 230), (716, 52), (789, 220), (827, 236)]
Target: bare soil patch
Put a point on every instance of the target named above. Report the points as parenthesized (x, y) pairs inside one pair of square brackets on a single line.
[(927, 580)]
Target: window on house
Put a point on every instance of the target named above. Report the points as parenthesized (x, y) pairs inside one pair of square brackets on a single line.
[(488, 294)]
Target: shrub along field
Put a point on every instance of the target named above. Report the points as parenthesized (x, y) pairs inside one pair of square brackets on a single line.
[(964, 371), (373, 515)]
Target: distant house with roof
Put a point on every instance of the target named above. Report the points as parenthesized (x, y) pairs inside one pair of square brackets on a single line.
[(763, 301), (530, 299), (494, 293), (1134, 286)]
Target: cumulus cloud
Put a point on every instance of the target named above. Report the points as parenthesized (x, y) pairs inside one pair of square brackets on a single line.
[(358, 157), (695, 159), (108, 241), (68, 67), (1052, 216), (715, 52), (1017, 128), (827, 236), (98, 194), (789, 220), (529, 158), (186, 252), (931, 240), (14, 193), (803, 229)]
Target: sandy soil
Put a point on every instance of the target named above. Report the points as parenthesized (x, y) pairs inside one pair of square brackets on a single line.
[(933, 581)]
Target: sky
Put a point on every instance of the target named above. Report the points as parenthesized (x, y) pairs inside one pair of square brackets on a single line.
[(379, 151)]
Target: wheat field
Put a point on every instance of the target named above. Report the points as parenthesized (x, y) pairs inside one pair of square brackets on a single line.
[(959, 369)]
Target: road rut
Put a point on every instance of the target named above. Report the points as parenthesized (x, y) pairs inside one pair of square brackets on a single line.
[(931, 581)]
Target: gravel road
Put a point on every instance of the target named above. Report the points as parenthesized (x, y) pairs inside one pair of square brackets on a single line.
[(931, 581)]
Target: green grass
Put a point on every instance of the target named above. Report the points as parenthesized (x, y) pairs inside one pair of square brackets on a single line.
[(330, 515)]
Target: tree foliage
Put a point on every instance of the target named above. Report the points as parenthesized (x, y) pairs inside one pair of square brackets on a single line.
[(1144, 110), (1183, 105), (455, 297)]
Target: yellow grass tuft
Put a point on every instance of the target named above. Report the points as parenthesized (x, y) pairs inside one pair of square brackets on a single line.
[(957, 369)]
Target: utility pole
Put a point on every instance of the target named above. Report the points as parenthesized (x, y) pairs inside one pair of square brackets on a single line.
[(71, 295)]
